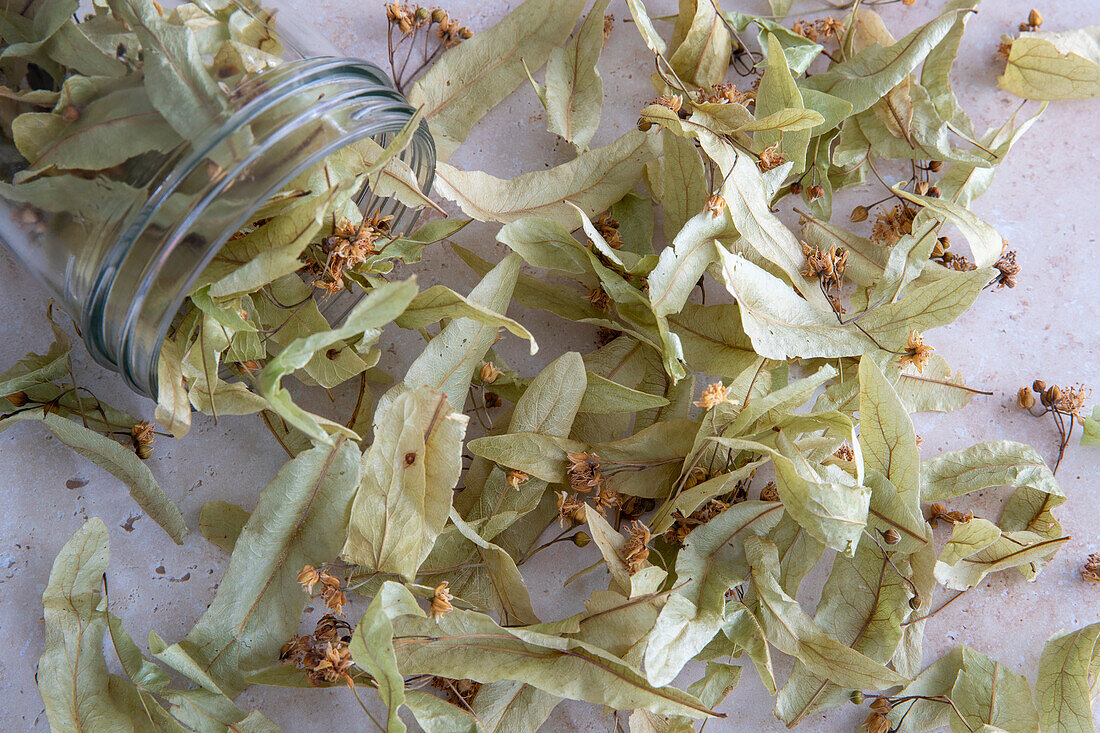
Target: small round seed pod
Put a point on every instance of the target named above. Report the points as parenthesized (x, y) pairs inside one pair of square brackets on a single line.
[(1034, 18), (1038, 386), (856, 697), (859, 213), (891, 536), (796, 188), (816, 191), (581, 539), (914, 602)]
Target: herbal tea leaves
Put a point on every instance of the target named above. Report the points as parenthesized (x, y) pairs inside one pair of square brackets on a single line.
[(701, 557)]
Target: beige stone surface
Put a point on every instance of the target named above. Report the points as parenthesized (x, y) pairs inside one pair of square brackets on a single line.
[(1044, 201)]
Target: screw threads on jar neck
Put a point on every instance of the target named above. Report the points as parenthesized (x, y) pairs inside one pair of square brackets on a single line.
[(287, 120)]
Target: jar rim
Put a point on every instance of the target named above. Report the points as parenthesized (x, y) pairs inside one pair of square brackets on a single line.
[(128, 314)]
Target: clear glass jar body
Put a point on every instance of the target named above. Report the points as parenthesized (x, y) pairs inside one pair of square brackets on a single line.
[(224, 115)]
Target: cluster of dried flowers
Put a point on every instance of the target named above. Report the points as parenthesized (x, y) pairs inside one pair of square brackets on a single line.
[(704, 508)]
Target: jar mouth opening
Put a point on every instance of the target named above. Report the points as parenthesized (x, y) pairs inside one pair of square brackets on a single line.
[(291, 119)]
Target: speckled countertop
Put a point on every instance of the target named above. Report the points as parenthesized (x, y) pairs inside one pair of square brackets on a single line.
[(1045, 202)]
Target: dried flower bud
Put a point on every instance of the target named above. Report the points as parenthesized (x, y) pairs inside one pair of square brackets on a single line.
[(915, 603), (796, 188), (308, 577), (673, 102), (881, 705), (1038, 386), (421, 14), (935, 166), (1051, 395), (488, 373), (1025, 399), (922, 187), (856, 697), (715, 204), (581, 539), (769, 492), (17, 399), (516, 477), (859, 213), (816, 191), (891, 536), (441, 601), (935, 192), (1034, 18), (439, 15), (876, 722), (1090, 573), (70, 113)]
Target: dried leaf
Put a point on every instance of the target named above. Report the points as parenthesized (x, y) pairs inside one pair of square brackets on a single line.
[(574, 89), (300, 519), (477, 75), (1050, 66), (1066, 685), (408, 474), (593, 181)]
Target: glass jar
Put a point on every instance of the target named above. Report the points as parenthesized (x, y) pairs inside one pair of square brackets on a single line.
[(233, 102)]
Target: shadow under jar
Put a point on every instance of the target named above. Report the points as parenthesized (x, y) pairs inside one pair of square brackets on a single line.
[(167, 130)]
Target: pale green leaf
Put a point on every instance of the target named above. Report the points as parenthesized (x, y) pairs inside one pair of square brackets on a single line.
[(593, 181), (1054, 66), (372, 649), (1067, 683), (997, 463), (988, 693), (408, 473), (479, 73), (574, 89), (300, 519), (465, 644), (865, 78), (439, 302), (450, 359), (711, 562), (683, 262), (702, 55), (378, 308), (886, 433), (683, 183), (862, 605), (790, 630)]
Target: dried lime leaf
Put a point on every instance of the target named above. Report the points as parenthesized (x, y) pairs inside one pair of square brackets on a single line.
[(1066, 685), (300, 519), (574, 89), (1054, 66), (409, 473), (793, 632), (593, 181), (477, 75)]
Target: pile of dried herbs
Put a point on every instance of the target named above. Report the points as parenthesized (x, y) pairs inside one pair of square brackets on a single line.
[(657, 446)]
